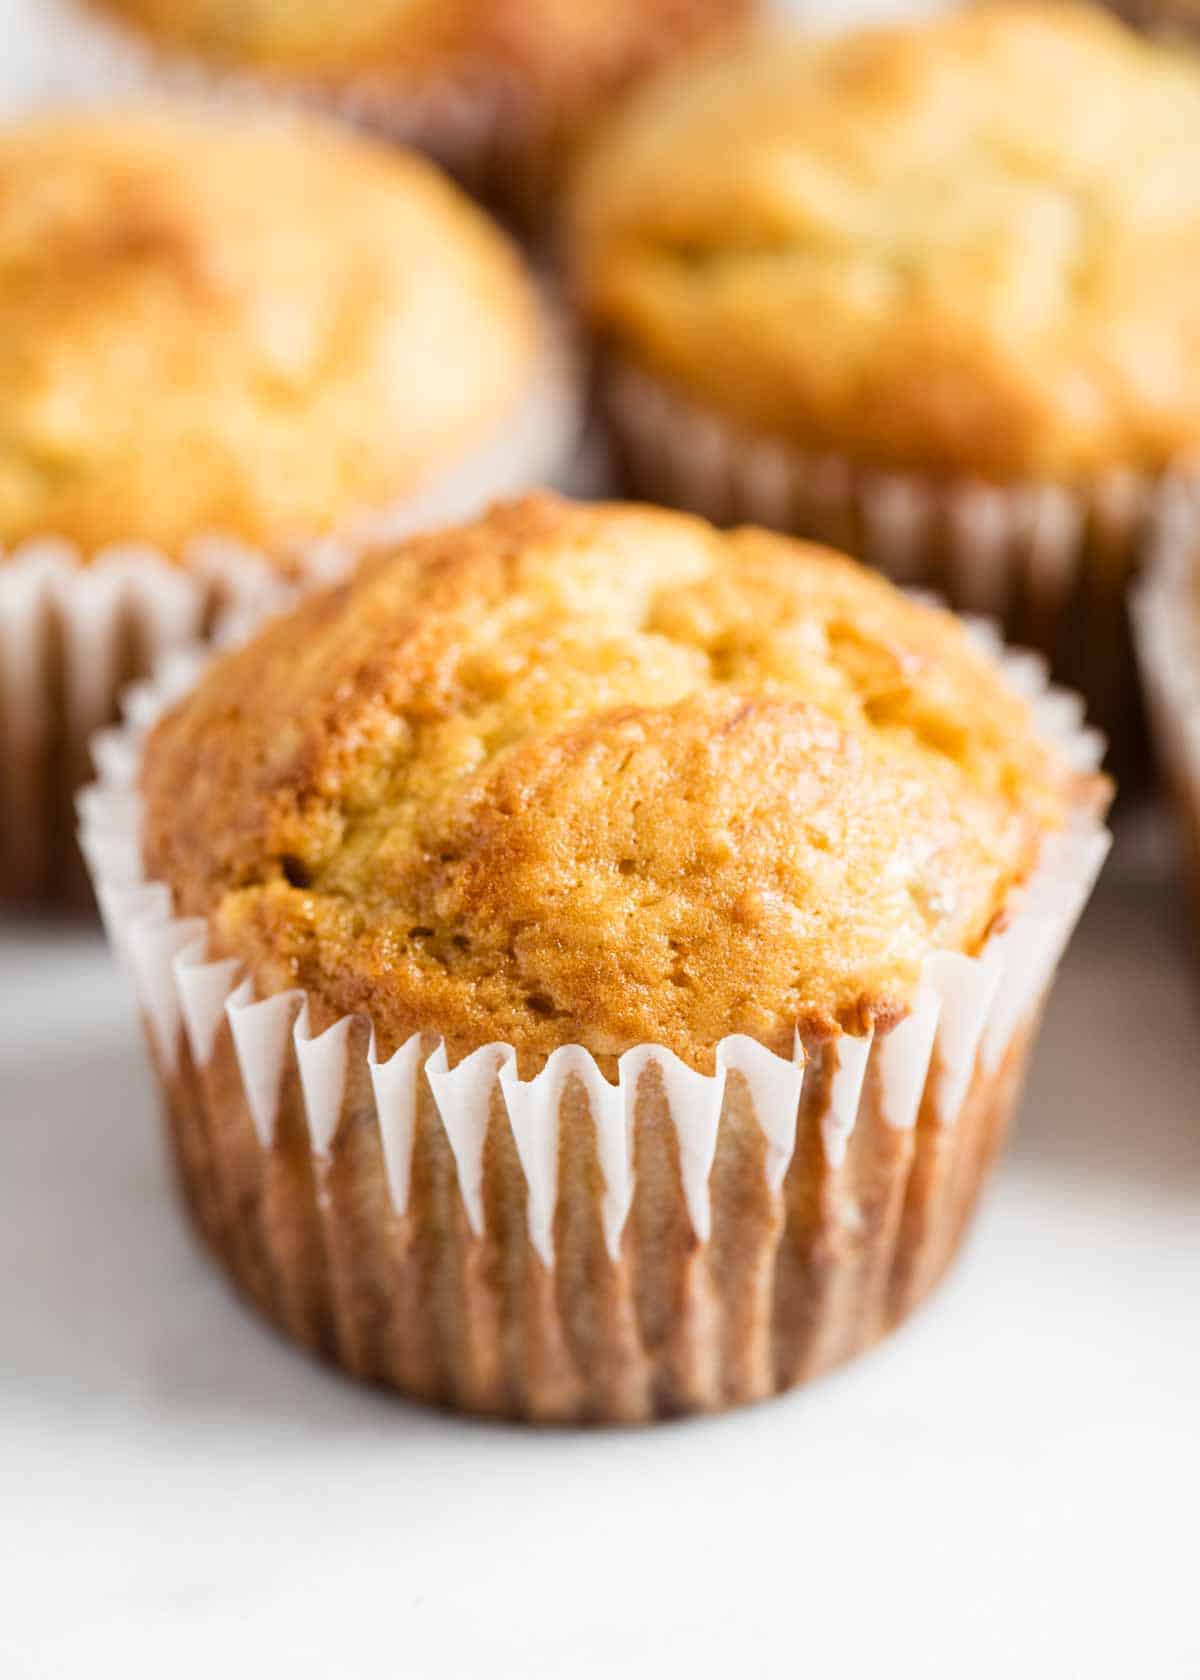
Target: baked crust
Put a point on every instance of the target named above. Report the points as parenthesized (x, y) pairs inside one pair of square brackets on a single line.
[(256, 327), (601, 775), (566, 58), (961, 246)]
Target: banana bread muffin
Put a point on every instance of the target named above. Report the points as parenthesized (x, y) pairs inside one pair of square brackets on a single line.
[(498, 90), (927, 290), (706, 860), (265, 330)]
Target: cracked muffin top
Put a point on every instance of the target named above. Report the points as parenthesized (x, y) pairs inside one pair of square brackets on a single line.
[(601, 775), (571, 54), (253, 327), (964, 245)]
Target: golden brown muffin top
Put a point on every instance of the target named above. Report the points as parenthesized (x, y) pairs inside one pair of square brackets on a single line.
[(965, 245), (567, 53), (252, 327), (601, 775)]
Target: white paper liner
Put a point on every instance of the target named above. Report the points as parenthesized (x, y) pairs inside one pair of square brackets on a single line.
[(965, 1014), (1166, 619), (72, 635), (1050, 562)]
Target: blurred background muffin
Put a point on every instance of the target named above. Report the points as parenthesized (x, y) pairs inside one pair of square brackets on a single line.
[(497, 90), (927, 291), (597, 794), (265, 331)]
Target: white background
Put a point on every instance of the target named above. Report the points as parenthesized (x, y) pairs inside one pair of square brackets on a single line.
[(1010, 1486)]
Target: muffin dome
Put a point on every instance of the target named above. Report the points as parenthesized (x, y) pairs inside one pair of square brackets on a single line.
[(601, 776), (250, 327), (966, 245)]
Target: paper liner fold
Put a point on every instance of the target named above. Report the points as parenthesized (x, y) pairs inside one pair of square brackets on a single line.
[(562, 1246), (73, 635), (1052, 564), (1166, 617)]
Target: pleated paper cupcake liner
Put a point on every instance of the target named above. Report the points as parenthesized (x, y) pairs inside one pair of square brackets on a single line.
[(1166, 617), (562, 1247), (73, 634), (1052, 564)]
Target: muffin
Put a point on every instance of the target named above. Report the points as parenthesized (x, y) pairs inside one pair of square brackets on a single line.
[(497, 90), (927, 292), (265, 331), (1167, 622), (589, 959)]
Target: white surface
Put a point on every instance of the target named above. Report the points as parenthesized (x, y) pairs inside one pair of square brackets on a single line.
[(1011, 1481)]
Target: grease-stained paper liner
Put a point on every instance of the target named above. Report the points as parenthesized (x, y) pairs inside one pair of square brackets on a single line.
[(73, 635), (1166, 619), (1051, 563), (481, 125), (562, 1247)]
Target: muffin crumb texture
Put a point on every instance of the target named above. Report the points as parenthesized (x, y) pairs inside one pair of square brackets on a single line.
[(259, 328), (601, 776), (965, 245)]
